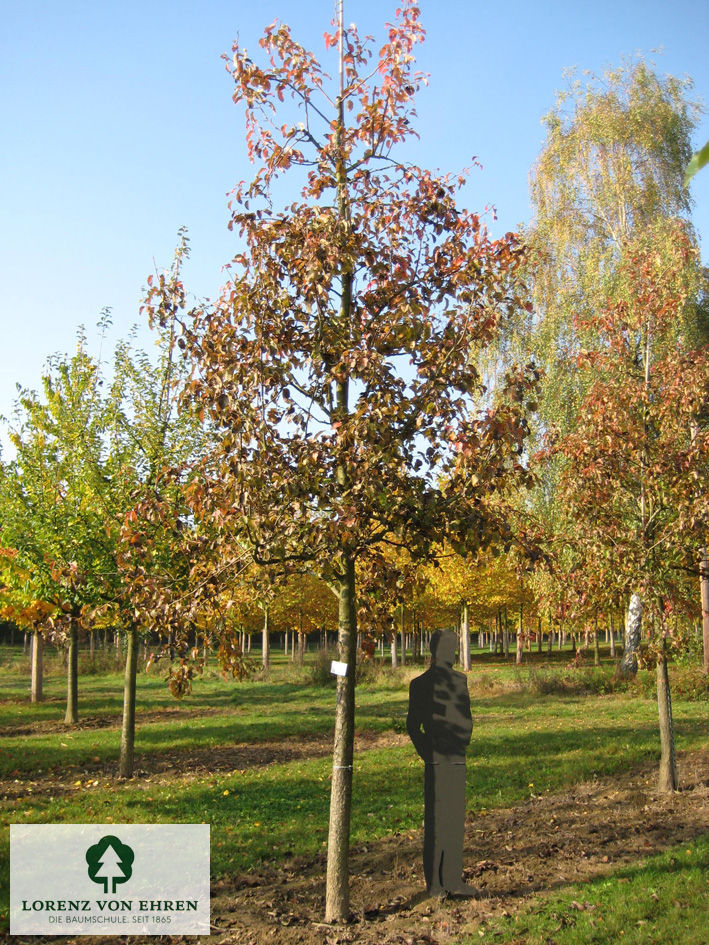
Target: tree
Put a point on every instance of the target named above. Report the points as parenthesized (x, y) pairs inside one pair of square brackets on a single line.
[(55, 501), (339, 363), (157, 567), (612, 164), (641, 442), (92, 460), (18, 605), (611, 168)]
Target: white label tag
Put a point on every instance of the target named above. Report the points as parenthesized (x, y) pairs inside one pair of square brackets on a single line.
[(338, 669)]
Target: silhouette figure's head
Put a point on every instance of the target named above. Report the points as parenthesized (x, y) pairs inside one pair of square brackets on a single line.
[(444, 644)]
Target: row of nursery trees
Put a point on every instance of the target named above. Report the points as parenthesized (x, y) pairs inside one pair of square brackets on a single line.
[(387, 412)]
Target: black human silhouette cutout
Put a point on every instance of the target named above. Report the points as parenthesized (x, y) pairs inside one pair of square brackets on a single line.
[(440, 726)]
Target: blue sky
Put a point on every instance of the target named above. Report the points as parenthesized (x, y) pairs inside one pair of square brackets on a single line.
[(118, 128)]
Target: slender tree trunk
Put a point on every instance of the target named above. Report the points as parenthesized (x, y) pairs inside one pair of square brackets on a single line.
[(539, 634), (265, 641), (394, 655), (402, 629), (550, 640), (611, 630), (520, 638), (633, 626), (667, 781), (37, 651), (465, 639), (26, 639), (129, 687), (596, 649), (506, 636), (92, 646), (72, 676), (301, 639), (337, 900), (704, 584)]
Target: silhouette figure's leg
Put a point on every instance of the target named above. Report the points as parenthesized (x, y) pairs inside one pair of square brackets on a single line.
[(432, 850), (451, 824)]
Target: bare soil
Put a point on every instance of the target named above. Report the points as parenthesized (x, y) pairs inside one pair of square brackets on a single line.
[(188, 764), (50, 726), (511, 854)]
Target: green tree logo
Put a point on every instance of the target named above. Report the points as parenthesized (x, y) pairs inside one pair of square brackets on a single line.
[(110, 862)]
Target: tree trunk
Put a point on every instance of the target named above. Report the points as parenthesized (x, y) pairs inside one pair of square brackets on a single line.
[(611, 630), (92, 646), (520, 638), (506, 636), (596, 649), (465, 639), (633, 626), (337, 898), (402, 628), (668, 780), (128, 729), (37, 649), (704, 582), (265, 642), (539, 634), (394, 655), (72, 676)]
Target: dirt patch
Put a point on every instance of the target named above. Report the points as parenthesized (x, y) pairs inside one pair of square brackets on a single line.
[(512, 854), (189, 764), (245, 756), (48, 726)]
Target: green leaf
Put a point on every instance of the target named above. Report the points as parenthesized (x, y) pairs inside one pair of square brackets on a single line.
[(699, 159)]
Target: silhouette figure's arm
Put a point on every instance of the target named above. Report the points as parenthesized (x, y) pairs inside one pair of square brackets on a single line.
[(463, 715), (416, 718)]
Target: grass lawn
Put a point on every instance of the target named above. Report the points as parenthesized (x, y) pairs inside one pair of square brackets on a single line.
[(660, 900), (525, 744)]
